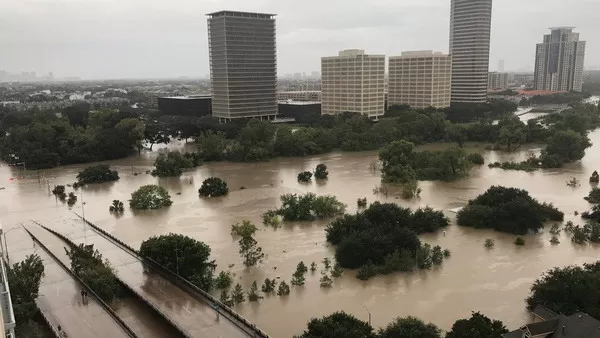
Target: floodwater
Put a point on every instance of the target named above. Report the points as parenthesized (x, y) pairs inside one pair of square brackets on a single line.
[(494, 282)]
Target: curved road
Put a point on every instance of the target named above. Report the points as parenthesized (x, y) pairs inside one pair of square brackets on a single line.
[(60, 300), (195, 317), (133, 312)]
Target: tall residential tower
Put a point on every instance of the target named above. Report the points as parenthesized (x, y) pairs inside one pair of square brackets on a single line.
[(353, 82), (419, 79), (559, 61), (470, 26), (243, 64)]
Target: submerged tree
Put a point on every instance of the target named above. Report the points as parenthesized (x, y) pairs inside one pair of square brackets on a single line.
[(213, 187), (269, 285), (304, 176), (250, 251), (117, 207), (99, 173), (237, 294), (284, 289), (321, 172), (183, 255), (87, 264), (150, 197), (254, 294)]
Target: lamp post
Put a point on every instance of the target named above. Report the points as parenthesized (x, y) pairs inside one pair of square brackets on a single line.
[(369, 312), (83, 217), (5, 246)]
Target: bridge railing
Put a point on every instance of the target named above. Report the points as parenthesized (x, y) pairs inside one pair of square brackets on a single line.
[(183, 283), (123, 284), (108, 309)]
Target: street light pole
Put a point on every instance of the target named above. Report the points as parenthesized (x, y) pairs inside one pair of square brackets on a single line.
[(369, 312), (3, 233), (83, 216)]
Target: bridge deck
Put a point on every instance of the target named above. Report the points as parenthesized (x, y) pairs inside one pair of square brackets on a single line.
[(132, 311), (195, 317)]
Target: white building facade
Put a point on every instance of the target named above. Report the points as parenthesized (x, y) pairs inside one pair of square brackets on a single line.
[(353, 82), (420, 79)]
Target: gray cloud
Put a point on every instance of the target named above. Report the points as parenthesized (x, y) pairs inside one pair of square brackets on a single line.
[(160, 38)]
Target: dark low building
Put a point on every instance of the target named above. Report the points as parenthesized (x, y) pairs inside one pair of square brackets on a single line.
[(551, 325), (192, 105), (293, 109)]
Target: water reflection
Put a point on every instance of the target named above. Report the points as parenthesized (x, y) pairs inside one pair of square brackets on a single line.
[(494, 282)]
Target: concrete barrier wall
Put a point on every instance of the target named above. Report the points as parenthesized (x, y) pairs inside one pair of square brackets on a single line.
[(183, 283), (108, 309)]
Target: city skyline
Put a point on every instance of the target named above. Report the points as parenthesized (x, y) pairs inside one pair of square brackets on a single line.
[(169, 39)]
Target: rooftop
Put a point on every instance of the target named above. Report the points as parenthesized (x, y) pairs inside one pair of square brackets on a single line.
[(299, 103), (418, 53), (578, 325), (189, 97), (240, 14)]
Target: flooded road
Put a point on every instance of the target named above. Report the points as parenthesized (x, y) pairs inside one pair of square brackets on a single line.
[(494, 282)]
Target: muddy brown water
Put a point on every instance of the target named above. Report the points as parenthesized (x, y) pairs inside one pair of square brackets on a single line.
[(494, 282)]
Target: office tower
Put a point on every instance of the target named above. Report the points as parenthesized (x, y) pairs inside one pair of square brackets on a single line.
[(243, 64), (559, 61), (501, 66), (497, 80), (470, 25), (420, 79), (353, 82)]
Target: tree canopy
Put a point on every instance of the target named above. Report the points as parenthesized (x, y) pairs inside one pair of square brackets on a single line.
[(213, 187), (183, 255), (568, 145), (99, 173), (593, 196), (309, 207), (43, 140), (402, 164), (410, 327), (568, 290), (321, 172), (24, 279), (173, 163), (509, 210), (385, 235), (87, 264), (478, 326), (150, 197), (338, 325)]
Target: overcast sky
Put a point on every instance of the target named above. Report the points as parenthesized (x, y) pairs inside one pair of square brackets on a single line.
[(168, 38)]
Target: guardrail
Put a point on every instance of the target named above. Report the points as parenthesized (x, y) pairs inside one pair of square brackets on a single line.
[(110, 311), (183, 283), (54, 330), (123, 284)]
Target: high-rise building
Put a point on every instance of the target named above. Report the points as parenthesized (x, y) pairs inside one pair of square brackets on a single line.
[(470, 26), (243, 64), (497, 80), (420, 79), (559, 61), (353, 82)]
